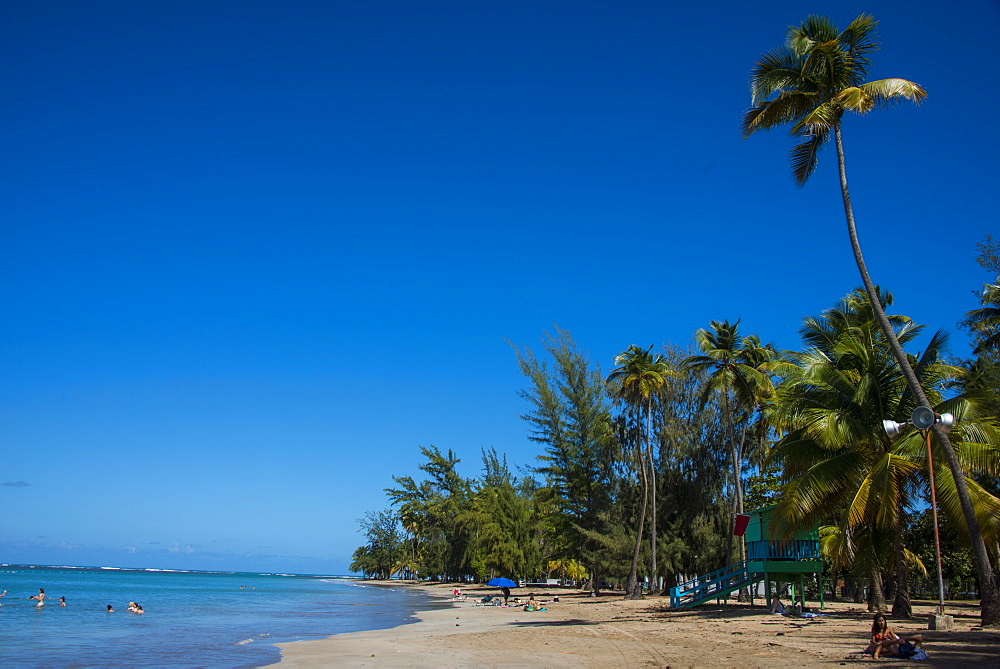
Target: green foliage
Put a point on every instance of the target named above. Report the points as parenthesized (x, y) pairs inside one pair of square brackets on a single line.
[(430, 511), (763, 489), (956, 558), (989, 255), (502, 523), (838, 460), (810, 81), (378, 558), (570, 417)]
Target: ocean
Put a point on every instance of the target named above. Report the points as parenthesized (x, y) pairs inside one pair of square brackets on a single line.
[(191, 619)]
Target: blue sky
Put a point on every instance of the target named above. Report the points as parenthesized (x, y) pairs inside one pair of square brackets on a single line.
[(255, 254)]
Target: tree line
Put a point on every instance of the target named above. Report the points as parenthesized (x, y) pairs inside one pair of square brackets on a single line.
[(642, 469), (684, 440)]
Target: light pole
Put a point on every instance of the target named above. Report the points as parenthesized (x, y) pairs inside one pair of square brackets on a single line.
[(923, 418)]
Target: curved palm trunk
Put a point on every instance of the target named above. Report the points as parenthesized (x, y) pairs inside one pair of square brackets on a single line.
[(652, 487), (990, 602), (632, 590), (876, 595), (737, 484)]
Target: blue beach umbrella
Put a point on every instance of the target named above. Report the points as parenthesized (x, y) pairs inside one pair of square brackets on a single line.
[(501, 583)]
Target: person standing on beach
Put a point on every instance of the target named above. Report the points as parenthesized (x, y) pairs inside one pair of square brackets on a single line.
[(506, 595)]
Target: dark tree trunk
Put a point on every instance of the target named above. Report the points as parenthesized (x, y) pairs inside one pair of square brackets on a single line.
[(876, 596), (652, 488), (901, 607), (632, 589)]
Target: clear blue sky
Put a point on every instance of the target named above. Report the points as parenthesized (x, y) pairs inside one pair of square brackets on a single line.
[(254, 254)]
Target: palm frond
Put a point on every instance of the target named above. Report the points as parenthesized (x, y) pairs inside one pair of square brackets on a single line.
[(889, 92), (857, 40), (787, 107), (855, 99), (777, 70), (814, 29), (823, 116), (805, 155)]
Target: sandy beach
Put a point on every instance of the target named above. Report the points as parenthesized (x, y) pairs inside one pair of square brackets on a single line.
[(582, 631)]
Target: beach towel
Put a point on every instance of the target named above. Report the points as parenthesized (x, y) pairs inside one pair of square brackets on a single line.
[(918, 654)]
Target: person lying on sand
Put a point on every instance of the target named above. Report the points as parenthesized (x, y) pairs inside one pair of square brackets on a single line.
[(884, 640)]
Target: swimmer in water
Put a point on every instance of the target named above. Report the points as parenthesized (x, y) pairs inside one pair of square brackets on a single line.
[(62, 601), (40, 597), (110, 609)]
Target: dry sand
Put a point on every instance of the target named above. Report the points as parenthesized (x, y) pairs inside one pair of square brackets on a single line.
[(581, 631)]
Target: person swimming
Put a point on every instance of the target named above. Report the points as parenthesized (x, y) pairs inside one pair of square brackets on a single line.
[(62, 601), (40, 597), (110, 609)]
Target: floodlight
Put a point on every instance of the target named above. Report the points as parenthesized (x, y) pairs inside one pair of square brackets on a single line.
[(947, 421), (892, 428)]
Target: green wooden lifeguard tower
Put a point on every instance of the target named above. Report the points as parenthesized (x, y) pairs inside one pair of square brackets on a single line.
[(769, 559)]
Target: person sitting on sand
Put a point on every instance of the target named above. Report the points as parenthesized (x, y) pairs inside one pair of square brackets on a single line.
[(777, 606), (532, 604), (884, 640)]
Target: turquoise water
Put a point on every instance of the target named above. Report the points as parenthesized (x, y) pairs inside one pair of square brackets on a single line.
[(191, 619)]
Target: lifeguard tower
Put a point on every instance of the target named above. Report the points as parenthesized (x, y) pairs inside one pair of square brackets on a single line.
[(768, 559)]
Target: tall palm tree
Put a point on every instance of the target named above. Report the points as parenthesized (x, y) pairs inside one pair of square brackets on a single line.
[(815, 77), (733, 364), (635, 381)]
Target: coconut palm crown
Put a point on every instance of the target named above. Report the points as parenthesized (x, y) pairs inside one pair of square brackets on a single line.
[(817, 75)]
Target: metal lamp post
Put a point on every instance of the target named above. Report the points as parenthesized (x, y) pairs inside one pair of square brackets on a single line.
[(923, 418)]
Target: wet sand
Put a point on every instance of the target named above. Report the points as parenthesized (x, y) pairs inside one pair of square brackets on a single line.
[(582, 631)]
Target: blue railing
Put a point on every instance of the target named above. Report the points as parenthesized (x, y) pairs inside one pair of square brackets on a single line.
[(712, 585), (784, 550)]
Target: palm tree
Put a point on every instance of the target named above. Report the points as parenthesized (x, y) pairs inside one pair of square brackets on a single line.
[(635, 381), (839, 465), (734, 366), (815, 77), (986, 320)]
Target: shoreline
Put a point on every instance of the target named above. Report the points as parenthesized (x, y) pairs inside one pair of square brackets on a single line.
[(581, 631)]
